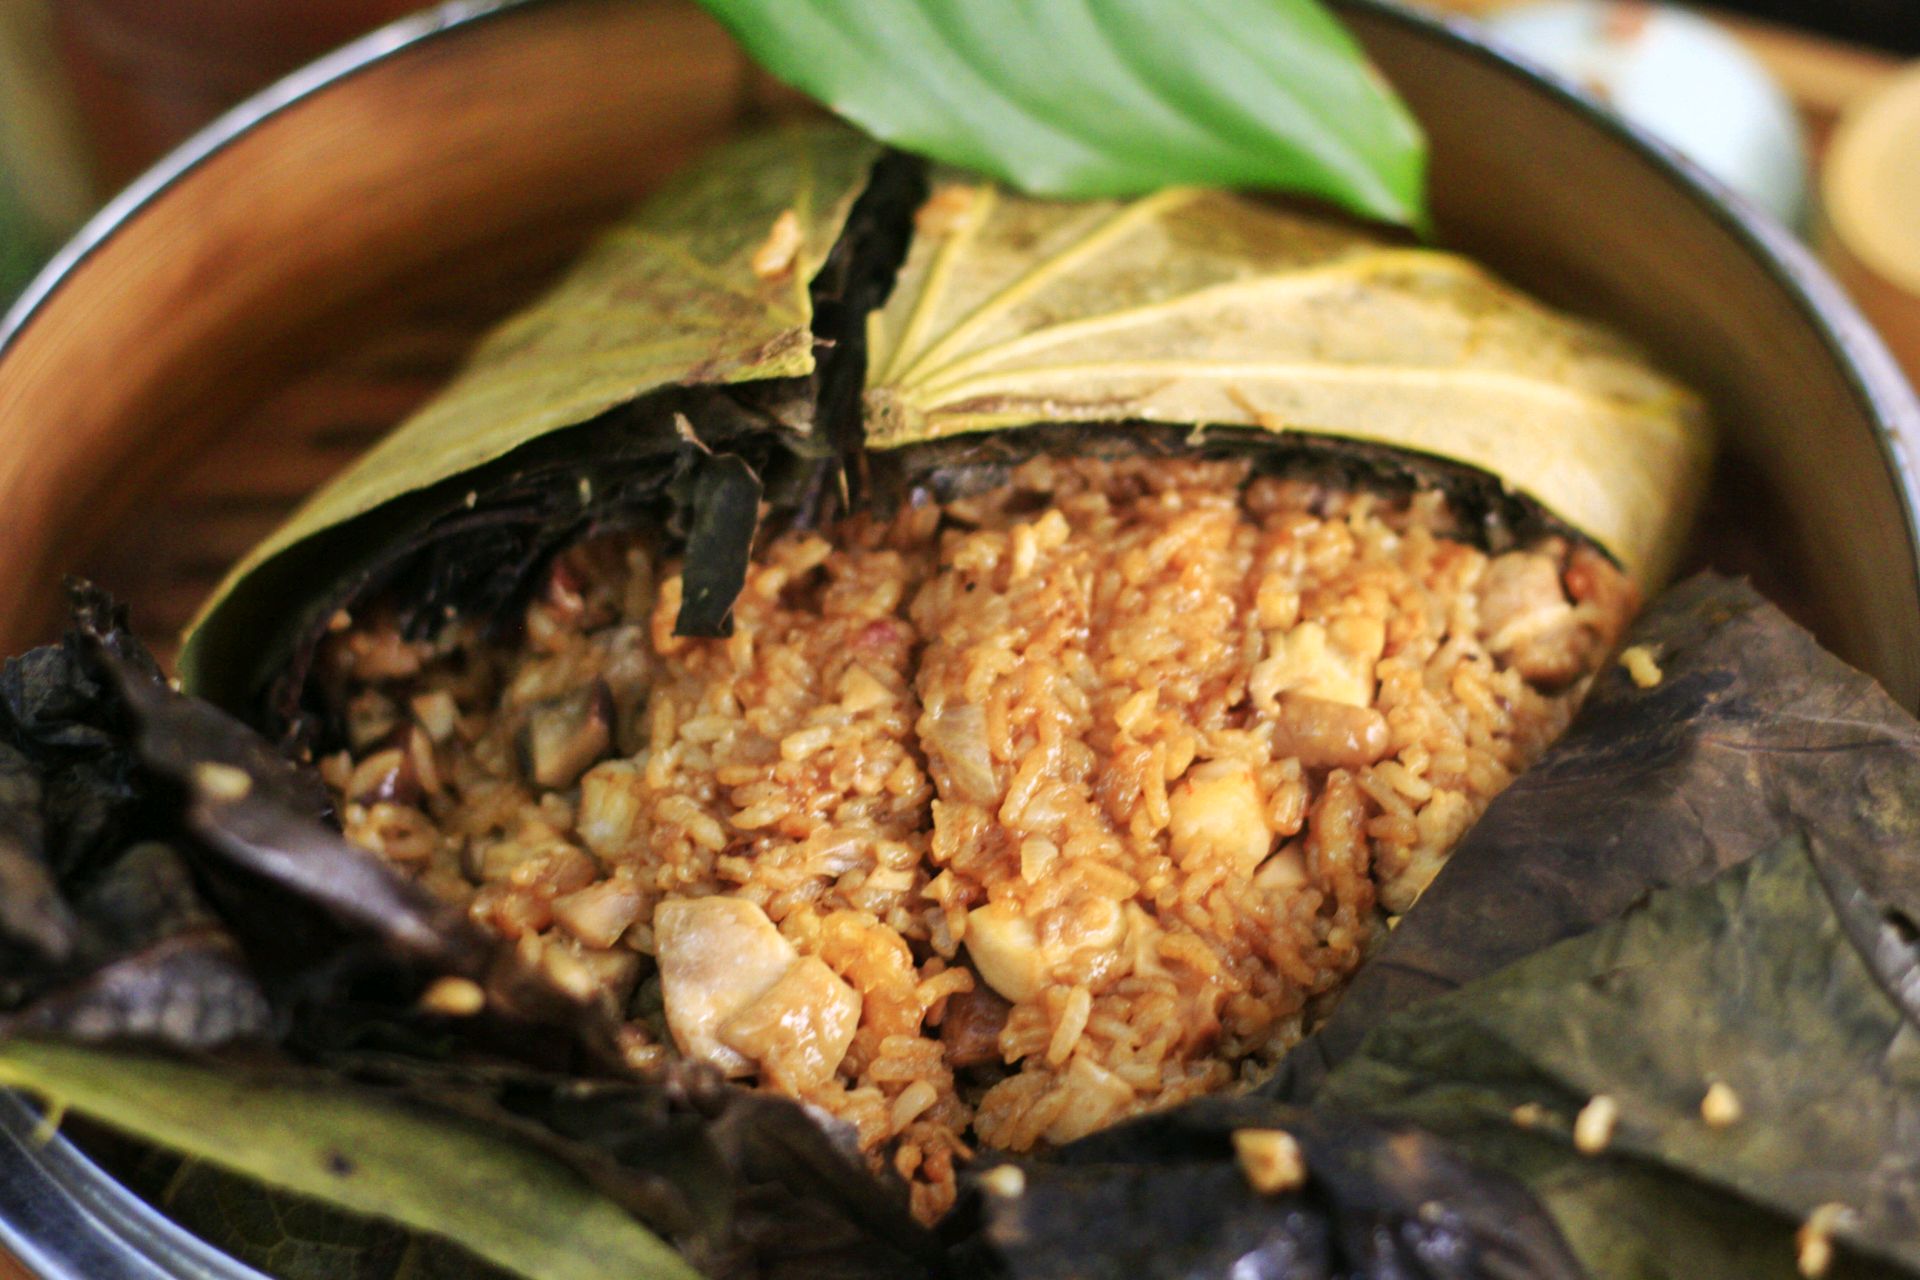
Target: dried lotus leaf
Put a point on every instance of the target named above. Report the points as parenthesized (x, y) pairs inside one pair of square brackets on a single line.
[(1204, 308), (684, 293)]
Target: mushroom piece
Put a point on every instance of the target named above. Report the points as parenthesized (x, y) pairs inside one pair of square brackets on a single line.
[(566, 736), (717, 956), (1329, 735), (970, 1031), (386, 775)]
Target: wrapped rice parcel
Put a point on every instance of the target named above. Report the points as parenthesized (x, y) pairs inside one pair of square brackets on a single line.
[(985, 667)]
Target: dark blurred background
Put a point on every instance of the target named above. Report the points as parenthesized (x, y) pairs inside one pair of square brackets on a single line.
[(1891, 24)]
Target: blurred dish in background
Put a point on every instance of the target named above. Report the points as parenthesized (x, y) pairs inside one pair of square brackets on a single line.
[(94, 91), (1870, 225), (1680, 77), (146, 73)]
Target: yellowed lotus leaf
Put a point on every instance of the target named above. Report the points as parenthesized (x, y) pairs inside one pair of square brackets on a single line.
[(705, 283), (1204, 308), (1187, 307)]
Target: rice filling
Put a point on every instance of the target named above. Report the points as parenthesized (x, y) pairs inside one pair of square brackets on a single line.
[(994, 821)]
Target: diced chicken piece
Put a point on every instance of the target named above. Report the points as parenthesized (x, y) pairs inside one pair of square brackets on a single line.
[(1095, 1096), (610, 813), (1526, 618), (1084, 922), (1333, 661), (717, 956), (1283, 873), (1356, 644), (599, 913), (626, 663), (1016, 955), (563, 968), (1329, 735), (800, 1029), (1006, 950), (1217, 812), (957, 749), (1520, 597)]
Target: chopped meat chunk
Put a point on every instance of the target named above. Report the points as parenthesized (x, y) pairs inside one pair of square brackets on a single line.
[(717, 956), (1332, 661), (599, 913), (1016, 955), (1006, 950), (1219, 813), (1526, 618), (800, 1029)]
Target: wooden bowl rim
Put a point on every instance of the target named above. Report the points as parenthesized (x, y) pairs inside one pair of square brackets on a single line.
[(59, 1176)]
